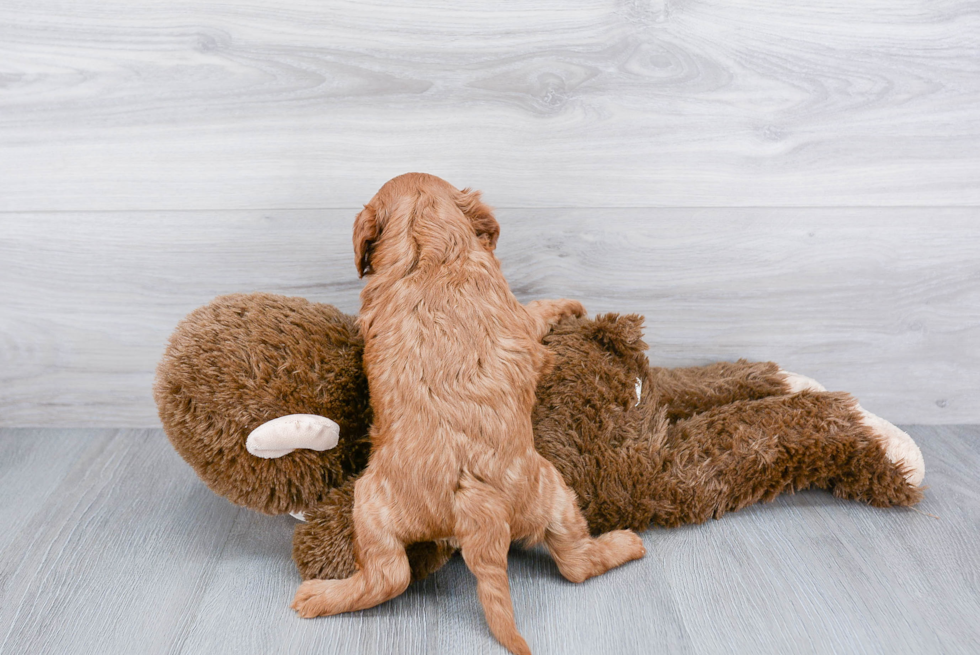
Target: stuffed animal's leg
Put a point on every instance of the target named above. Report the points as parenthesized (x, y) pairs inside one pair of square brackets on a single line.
[(744, 452), (689, 391), (384, 571)]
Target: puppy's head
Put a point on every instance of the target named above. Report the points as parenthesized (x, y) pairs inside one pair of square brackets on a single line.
[(415, 214)]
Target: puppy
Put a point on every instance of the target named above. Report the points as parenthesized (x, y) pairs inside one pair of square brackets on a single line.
[(452, 361)]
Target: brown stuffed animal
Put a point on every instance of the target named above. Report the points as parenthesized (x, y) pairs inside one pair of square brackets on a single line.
[(638, 444)]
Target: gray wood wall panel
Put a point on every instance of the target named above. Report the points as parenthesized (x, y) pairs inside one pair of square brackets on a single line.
[(884, 303), (154, 155), (125, 551), (133, 104)]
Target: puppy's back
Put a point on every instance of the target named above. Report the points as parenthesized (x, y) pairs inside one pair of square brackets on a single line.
[(453, 341)]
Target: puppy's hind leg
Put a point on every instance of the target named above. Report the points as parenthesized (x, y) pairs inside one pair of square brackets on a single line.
[(384, 569), (484, 538), (579, 556)]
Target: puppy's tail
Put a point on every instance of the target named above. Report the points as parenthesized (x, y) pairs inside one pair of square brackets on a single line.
[(484, 539)]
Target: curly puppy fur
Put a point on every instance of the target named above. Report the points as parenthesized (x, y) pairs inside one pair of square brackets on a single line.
[(452, 361)]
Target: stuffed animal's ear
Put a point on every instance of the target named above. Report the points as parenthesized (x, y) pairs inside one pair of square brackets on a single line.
[(624, 334), (480, 215), (285, 434), (367, 229)]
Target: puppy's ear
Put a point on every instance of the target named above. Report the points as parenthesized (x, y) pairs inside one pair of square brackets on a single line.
[(367, 229), (480, 215)]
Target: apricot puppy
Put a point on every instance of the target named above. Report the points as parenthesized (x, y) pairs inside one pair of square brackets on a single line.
[(452, 361)]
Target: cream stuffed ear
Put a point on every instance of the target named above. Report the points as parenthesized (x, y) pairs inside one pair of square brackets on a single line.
[(285, 434)]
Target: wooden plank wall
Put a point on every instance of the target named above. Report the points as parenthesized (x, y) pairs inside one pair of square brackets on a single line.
[(788, 181)]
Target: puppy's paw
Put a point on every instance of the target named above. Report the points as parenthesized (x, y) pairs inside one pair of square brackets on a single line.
[(899, 447), (552, 311), (568, 307), (614, 549), (627, 544), (311, 599), (797, 383)]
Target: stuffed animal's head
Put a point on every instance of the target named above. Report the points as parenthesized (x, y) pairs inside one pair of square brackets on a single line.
[(599, 420), (246, 359)]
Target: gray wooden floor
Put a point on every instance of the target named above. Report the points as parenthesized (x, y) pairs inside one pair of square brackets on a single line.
[(110, 544)]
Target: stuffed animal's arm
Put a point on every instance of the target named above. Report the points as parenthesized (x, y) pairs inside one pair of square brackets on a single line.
[(689, 391), (285, 434)]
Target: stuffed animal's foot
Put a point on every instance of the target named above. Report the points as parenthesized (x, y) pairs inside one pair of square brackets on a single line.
[(899, 447), (798, 383), (285, 434)]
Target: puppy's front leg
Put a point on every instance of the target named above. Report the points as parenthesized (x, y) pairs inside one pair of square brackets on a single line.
[(548, 312)]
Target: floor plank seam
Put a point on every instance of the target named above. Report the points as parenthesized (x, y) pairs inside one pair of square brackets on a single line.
[(200, 590)]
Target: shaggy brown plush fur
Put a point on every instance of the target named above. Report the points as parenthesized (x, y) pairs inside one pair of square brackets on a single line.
[(702, 441), (245, 359)]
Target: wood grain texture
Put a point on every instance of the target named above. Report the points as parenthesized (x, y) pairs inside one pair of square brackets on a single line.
[(116, 547), (884, 303), (106, 551), (115, 105)]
